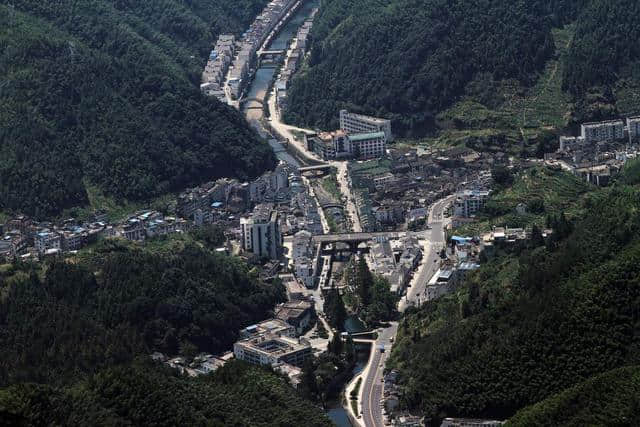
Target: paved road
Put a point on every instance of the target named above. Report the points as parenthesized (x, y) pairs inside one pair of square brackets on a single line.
[(372, 386), (435, 236)]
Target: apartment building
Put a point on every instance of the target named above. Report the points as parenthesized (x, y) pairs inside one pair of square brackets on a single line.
[(470, 202), (610, 130), (261, 232), (353, 123), (45, 240)]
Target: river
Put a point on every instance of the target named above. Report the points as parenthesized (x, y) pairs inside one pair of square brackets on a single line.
[(264, 75)]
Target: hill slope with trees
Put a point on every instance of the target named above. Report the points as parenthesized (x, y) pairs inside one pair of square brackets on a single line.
[(123, 302), (147, 395), (532, 322), (77, 335), (456, 65), (612, 398), (105, 93), (409, 59)]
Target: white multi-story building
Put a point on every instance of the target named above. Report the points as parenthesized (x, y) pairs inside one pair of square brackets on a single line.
[(358, 123), (45, 240), (610, 130), (469, 202), (269, 349), (261, 232)]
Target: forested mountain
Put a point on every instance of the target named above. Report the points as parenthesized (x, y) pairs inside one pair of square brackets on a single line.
[(146, 395), (603, 64), (533, 321), (76, 336), (612, 398), (411, 60), (105, 93), (120, 303)]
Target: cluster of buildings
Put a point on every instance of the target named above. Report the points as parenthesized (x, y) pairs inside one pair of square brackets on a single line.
[(396, 260), (252, 40), (25, 238), (360, 137), (600, 151), (217, 66), (149, 224), (28, 239), (294, 60), (202, 364), (605, 131), (393, 191)]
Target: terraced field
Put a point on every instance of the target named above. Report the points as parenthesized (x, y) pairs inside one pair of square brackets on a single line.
[(559, 192)]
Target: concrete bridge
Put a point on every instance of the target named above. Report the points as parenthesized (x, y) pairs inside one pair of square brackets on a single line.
[(322, 167), (353, 238), (331, 205)]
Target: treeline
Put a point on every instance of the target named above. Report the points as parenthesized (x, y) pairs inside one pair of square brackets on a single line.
[(612, 398), (106, 92), (407, 60), (533, 323), (148, 395), (75, 318)]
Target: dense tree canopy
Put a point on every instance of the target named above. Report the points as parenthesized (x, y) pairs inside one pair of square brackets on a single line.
[(106, 93), (123, 302), (408, 59), (147, 395), (612, 398)]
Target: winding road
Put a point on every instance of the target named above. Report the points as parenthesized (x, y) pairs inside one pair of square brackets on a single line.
[(371, 394)]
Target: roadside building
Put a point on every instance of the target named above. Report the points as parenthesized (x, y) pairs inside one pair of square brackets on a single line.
[(46, 240), (633, 126), (470, 202)]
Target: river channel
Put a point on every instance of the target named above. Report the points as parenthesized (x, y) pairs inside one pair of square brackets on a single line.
[(257, 90)]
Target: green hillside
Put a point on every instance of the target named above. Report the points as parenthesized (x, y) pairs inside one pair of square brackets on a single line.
[(106, 93), (411, 59), (612, 398), (147, 395), (119, 302), (532, 322), (439, 66)]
